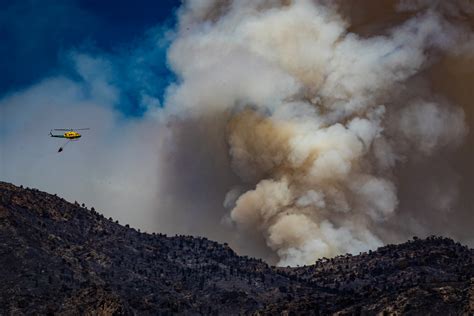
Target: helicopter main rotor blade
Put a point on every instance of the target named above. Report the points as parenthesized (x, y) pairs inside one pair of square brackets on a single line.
[(71, 129)]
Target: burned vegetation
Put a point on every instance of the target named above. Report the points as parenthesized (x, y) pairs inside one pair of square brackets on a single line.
[(63, 258)]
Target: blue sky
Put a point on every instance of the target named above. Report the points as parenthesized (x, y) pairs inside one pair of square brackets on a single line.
[(38, 37), (87, 63)]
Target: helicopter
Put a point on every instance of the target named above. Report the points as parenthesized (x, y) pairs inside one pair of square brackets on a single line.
[(70, 134)]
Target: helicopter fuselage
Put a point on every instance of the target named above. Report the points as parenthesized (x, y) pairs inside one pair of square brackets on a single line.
[(68, 135)]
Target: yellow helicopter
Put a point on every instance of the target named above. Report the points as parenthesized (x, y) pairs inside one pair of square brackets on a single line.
[(70, 134)]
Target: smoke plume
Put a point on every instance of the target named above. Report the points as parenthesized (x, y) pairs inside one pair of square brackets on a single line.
[(295, 130), (324, 111)]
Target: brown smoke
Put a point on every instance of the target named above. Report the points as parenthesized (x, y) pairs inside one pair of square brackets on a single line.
[(346, 122)]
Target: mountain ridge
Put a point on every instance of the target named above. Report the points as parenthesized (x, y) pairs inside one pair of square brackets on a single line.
[(63, 258)]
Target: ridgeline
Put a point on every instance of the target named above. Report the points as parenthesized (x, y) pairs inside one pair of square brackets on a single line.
[(60, 258)]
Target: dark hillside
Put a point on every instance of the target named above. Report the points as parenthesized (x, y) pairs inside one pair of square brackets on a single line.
[(61, 258)]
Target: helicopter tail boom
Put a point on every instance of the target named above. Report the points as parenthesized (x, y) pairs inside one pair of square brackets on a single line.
[(59, 136)]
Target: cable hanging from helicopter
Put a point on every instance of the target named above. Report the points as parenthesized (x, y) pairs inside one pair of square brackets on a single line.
[(70, 134)]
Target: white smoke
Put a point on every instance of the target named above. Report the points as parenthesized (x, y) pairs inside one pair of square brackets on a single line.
[(318, 116)]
